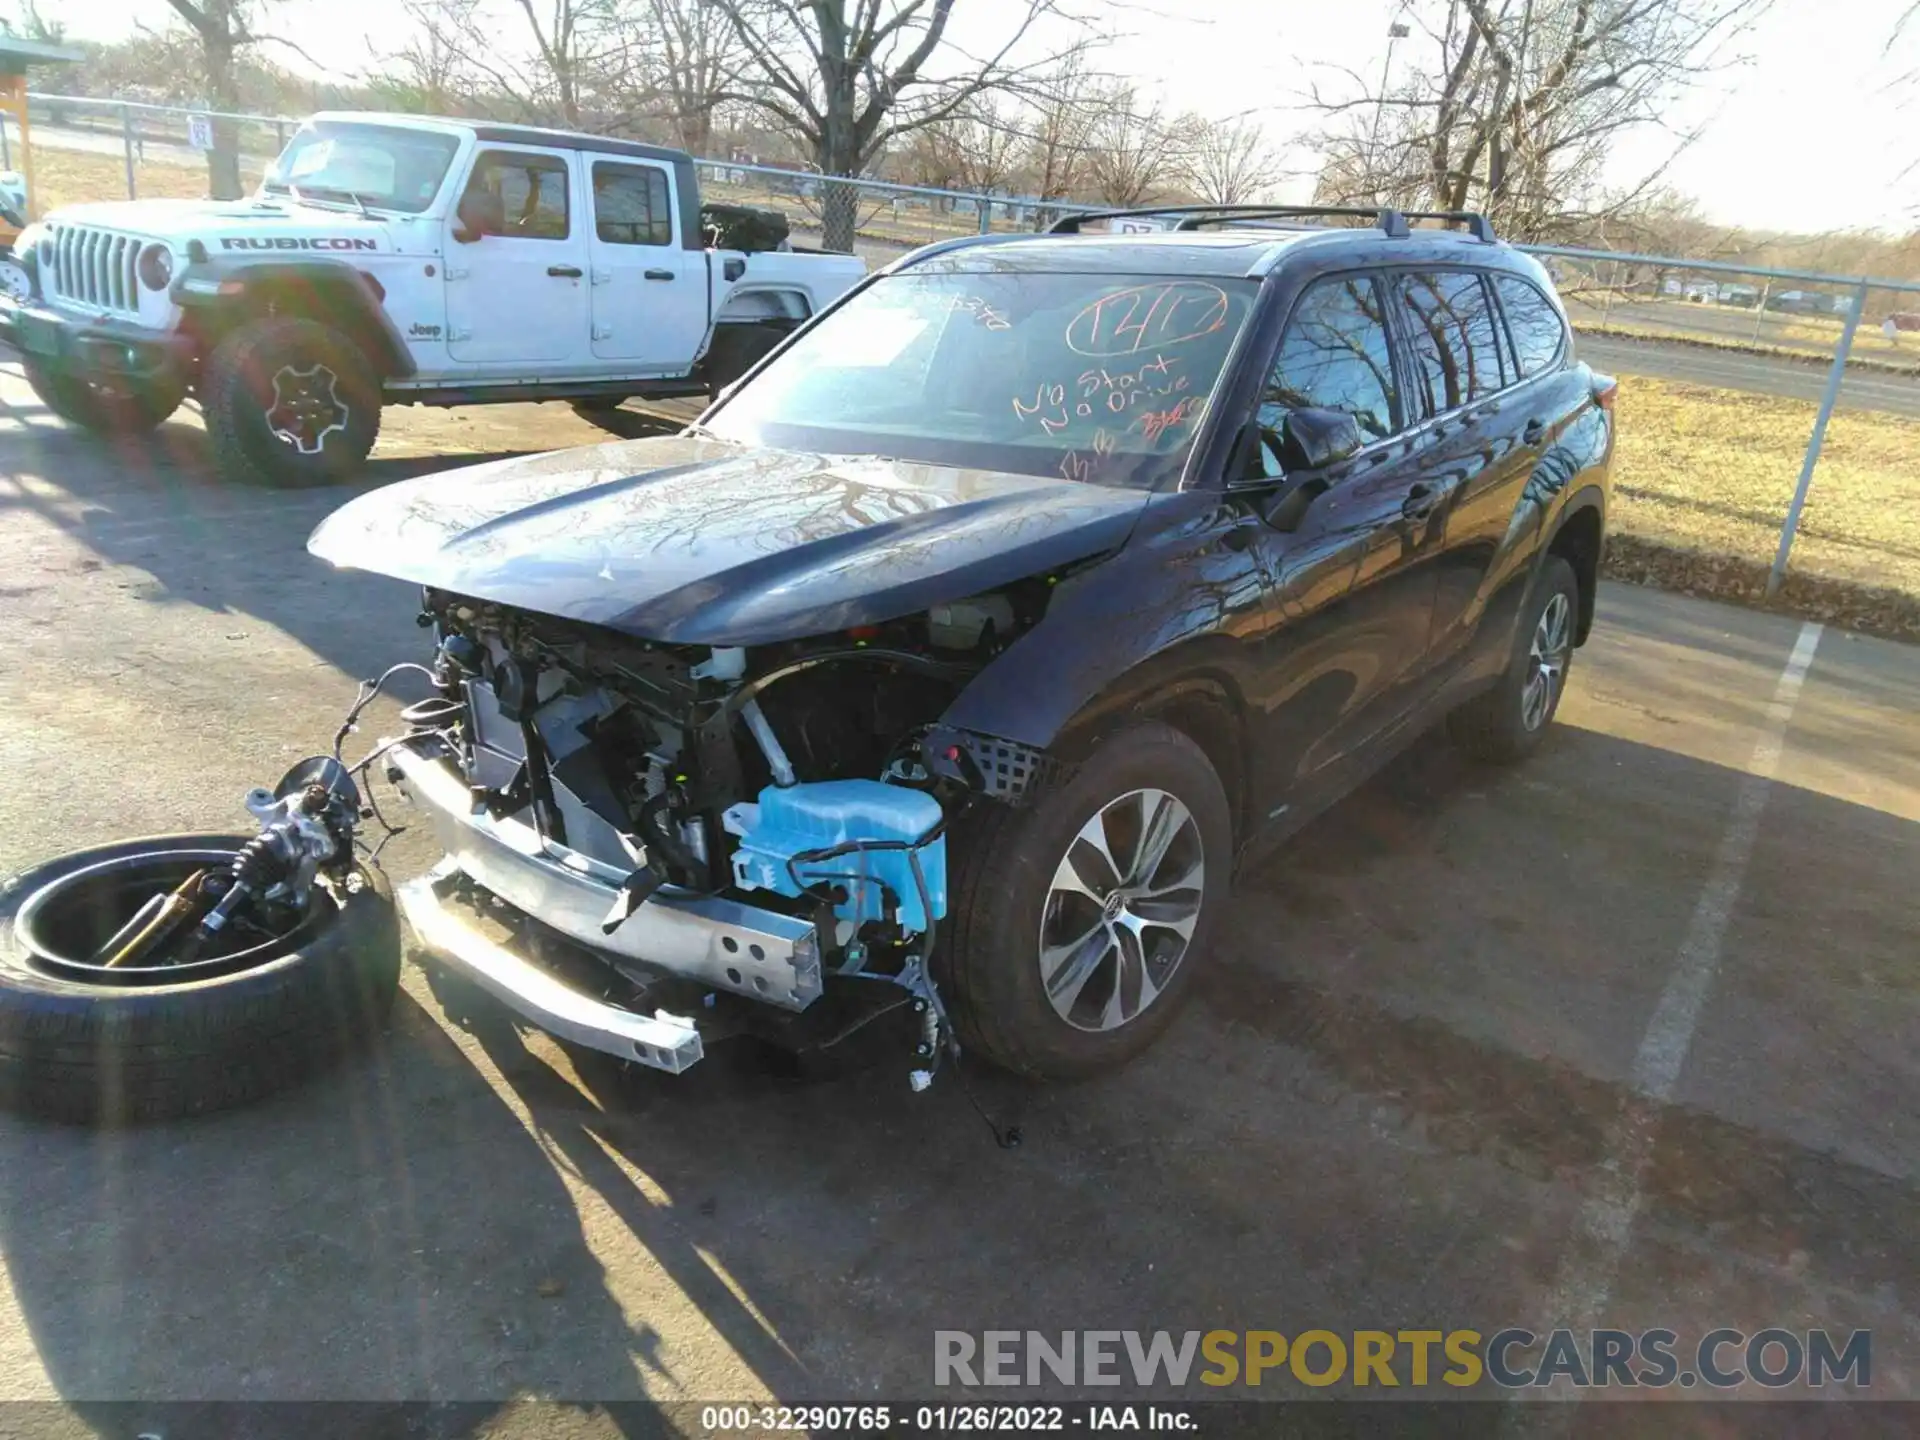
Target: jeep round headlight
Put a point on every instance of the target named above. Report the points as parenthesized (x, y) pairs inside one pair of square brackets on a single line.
[(155, 266)]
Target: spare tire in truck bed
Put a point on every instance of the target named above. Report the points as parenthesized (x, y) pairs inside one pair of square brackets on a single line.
[(744, 227)]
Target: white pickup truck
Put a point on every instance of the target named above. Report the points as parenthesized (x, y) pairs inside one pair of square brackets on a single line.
[(401, 259)]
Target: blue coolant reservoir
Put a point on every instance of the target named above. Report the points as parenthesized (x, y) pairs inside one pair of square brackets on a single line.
[(793, 820)]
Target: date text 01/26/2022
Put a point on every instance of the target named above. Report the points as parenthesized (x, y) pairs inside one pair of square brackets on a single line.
[(942, 1419)]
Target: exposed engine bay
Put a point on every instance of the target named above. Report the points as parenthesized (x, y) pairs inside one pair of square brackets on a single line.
[(796, 779)]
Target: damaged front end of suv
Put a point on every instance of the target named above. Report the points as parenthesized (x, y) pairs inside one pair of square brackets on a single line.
[(714, 710), (655, 841)]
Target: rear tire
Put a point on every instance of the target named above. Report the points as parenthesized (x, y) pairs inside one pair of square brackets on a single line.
[(290, 403), (1508, 722), (735, 350), (1010, 963), (90, 1053), (103, 409)]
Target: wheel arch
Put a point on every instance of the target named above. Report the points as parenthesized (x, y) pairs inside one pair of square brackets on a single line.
[(1579, 537), (219, 296), (769, 304)]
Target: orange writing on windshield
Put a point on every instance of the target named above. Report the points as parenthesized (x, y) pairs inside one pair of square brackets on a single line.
[(1147, 317)]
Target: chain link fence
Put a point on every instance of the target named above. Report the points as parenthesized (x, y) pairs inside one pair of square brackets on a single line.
[(1748, 381)]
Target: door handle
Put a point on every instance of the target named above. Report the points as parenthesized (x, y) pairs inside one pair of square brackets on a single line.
[(565, 272), (1419, 502), (1535, 432), (659, 274)]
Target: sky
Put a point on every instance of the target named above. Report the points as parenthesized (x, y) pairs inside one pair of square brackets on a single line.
[(1811, 134)]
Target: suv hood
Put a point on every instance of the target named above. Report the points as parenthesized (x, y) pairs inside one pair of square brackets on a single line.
[(234, 225), (698, 541)]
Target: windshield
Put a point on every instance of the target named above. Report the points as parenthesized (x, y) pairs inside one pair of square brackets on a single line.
[(1102, 378), (378, 165)]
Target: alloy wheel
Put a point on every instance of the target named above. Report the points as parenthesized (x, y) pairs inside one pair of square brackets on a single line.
[(1121, 910), (1548, 656), (306, 407)]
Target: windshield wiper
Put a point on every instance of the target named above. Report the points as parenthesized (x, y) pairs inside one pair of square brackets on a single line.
[(303, 196)]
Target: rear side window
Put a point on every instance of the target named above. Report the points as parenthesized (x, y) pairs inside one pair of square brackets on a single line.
[(1335, 356), (630, 205), (1532, 322), (1450, 325), (532, 191)]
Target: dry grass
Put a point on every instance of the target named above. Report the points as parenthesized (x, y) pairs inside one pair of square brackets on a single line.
[(1712, 471), (70, 177)]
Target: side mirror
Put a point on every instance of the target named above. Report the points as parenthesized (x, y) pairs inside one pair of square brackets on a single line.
[(1312, 439)]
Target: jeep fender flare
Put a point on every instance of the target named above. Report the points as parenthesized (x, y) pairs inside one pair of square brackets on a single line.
[(352, 301)]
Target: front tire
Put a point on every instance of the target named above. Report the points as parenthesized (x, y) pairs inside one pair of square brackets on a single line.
[(104, 409), (92, 1046), (1508, 722), (290, 403), (1079, 920)]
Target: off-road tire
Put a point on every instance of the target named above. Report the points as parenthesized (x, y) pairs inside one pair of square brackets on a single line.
[(1492, 726), (238, 389), (104, 410), (735, 350), (988, 960), (90, 1054)]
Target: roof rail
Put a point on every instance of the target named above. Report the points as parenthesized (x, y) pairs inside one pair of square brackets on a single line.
[(1194, 216), (1481, 227)]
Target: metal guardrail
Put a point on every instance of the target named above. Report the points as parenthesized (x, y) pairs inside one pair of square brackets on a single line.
[(1018, 210)]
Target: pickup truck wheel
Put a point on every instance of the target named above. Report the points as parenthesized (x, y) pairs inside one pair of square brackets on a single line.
[(1508, 722), (1079, 920), (105, 409), (290, 402), (735, 350), (91, 1045)]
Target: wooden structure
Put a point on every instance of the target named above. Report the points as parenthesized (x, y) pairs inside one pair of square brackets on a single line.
[(15, 56)]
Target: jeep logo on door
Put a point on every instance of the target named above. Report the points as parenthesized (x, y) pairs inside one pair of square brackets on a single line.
[(295, 242)]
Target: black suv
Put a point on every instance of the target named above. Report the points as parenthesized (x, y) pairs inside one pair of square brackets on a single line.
[(968, 640)]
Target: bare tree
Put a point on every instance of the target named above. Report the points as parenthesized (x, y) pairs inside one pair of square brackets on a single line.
[(1514, 106), (223, 30), (545, 82), (1062, 110), (1229, 162), (1134, 149), (846, 78), (671, 61)]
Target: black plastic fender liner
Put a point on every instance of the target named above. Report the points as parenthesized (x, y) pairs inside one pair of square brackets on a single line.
[(94, 1053)]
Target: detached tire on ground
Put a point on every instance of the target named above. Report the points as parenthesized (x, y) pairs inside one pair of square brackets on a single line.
[(1508, 722), (1076, 922), (79, 1047), (290, 402), (103, 409)]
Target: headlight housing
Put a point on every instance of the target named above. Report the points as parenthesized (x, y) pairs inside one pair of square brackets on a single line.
[(155, 267), (25, 241)]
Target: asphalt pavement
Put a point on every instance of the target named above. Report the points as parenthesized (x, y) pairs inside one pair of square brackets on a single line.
[(1628, 1036)]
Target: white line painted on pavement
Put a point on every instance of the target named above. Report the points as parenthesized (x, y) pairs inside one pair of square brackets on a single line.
[(1605, 1223)]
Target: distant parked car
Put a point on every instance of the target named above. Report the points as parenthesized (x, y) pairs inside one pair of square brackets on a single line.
[(1745, 296), (1801, 302), (1905, 319), (1702, 291)]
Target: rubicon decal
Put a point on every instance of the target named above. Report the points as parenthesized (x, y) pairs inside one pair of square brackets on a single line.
[(295, 242)]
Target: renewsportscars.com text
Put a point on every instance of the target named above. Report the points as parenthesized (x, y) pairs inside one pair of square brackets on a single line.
[(1512, 1358)]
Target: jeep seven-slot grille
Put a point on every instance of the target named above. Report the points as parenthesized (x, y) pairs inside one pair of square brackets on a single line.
[(90, 267)]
